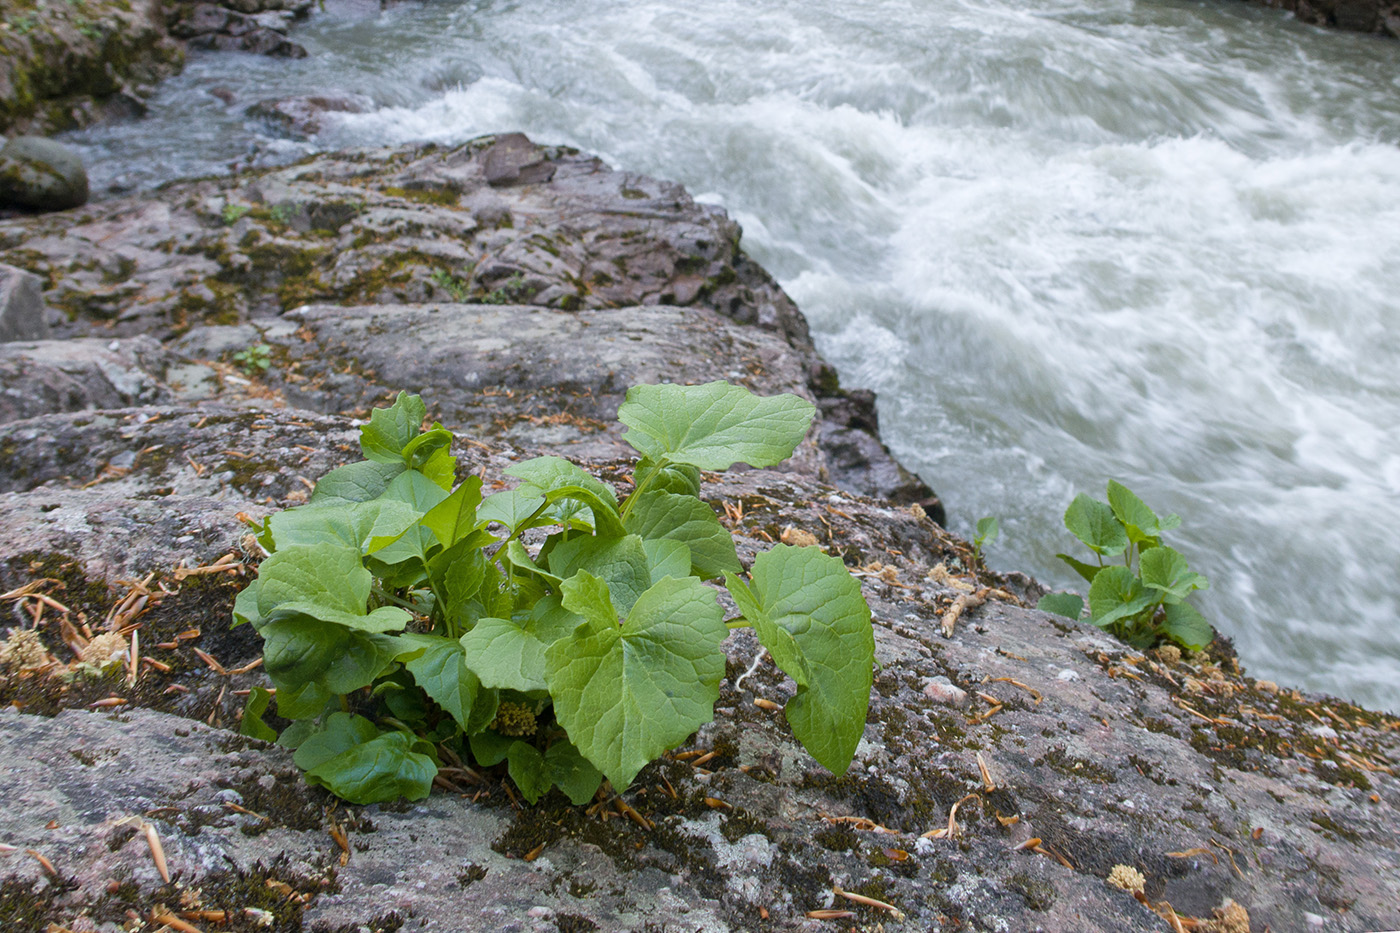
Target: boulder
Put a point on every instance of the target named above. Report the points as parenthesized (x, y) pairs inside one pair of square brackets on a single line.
[(42, 175), (23, 313)]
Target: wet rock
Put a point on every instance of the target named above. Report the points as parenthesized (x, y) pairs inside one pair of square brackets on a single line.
[(513, 160), (257, 26), (41, 175), (66, 65), (23, 314), (300, 117)]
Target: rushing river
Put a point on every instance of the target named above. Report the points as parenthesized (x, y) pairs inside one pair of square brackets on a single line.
[(1066, 241)]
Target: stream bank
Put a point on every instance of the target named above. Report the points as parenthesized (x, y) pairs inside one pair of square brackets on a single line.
[(522, 289)]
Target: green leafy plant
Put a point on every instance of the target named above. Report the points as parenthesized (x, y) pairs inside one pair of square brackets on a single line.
[(254, 360), (449, 283), (283, 212), (1143, 600), (988, 529), (405, 621), (511, 290), (232, 213)]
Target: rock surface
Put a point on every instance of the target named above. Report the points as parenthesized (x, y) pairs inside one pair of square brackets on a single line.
[(23, 314), (1212, 785), (42, 175), (439, 228), (64, 65), (1381, 17)]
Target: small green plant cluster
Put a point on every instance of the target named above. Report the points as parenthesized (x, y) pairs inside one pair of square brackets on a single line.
[(511, 290), (403, 619), (1143, 600), (455, 287), (232, 213), (254, 360)]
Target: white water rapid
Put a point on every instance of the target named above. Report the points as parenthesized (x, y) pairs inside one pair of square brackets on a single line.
[(1066, 241)]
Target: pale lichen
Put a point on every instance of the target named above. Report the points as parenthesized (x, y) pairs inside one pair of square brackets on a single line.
[(1127, 878), (23, 650)]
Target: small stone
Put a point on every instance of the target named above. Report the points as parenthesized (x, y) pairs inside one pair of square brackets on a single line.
[(1266, 686), (941, 690), (1067, 674)]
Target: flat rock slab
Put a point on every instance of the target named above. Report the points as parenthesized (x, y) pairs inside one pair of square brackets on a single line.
[(48, 376), (525, 376), (1214, 786)]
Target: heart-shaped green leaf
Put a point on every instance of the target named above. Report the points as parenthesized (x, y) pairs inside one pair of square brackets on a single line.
[(809, 613), (627, 693), (714, 426)]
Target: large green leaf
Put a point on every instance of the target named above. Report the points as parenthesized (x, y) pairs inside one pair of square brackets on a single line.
[(527, 770), (511, 655), (1166, 570), (547, 474), (514, 508), (417, 543), (327, 574), (562, 765), (713, 426), (490, 748), (358, 764), (391, 429), (572, 773), (627, 693), (356, 482), (454, 518), (1094, 523), (365, 526), (691, 522), (457, 575), (559, 480), (667, 558), (809, 613), (443, 674), (620, 562), (300, 649), (1187, 627), (1069, 605), (383, 619), (1141, 523), (1085, 570), (301, 701), (1117, 593)]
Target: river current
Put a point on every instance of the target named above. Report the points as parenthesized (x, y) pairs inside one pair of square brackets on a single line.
[(1066, 241)]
